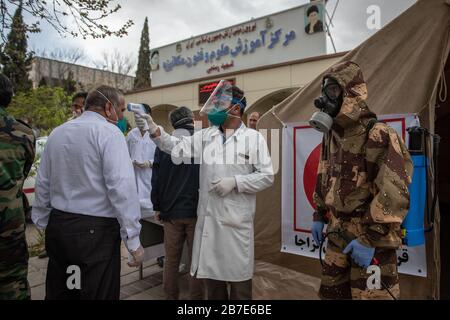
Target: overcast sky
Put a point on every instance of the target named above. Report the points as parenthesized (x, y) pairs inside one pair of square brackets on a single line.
[(174, 20)]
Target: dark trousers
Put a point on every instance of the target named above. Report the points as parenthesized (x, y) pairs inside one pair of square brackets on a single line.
[(177, 231), (88, 244), (218, 290)]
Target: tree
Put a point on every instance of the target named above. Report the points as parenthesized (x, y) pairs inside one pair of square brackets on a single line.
[(43, 82), (116, 62), (69, 84), (14, 58), (78, 18), (62, 74), (143, 69), (47, 107), (69, 55)]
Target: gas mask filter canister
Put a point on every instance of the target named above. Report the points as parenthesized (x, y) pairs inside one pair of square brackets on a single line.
[(321, 121)]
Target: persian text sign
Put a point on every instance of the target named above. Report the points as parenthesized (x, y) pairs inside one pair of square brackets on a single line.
[(282, 37), (301, 153)]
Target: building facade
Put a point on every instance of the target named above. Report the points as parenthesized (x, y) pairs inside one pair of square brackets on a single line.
[(269, 58), (264, 87), (52, 72)]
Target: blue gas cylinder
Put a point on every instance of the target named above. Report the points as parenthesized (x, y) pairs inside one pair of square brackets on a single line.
[(414, 221)]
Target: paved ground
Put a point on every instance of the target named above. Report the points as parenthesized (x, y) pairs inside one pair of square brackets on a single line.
[(270, 282)]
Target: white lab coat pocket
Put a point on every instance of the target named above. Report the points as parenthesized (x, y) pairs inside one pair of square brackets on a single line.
[(235, 214)]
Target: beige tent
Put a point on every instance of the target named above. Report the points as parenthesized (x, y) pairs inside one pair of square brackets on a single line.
[(402, 64)]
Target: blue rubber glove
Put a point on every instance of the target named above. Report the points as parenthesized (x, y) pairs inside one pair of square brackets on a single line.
[(361, 254), (317, 231)]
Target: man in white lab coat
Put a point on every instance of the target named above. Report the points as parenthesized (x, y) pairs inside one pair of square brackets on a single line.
[(235, 166), (142, 153)]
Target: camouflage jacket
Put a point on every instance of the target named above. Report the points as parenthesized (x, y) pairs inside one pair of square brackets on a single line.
[(17, 148), (364, 168)]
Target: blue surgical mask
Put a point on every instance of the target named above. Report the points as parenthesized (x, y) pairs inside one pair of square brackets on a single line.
[(122, 124), (217, 117)]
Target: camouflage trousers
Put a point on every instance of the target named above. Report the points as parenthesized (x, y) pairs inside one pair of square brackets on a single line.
[(342, 278), (13, 264)]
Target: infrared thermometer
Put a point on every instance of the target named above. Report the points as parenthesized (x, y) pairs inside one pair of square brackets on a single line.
[(138, 109)]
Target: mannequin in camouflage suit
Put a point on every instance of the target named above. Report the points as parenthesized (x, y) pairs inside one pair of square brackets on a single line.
[(16, 157), (361, 193)]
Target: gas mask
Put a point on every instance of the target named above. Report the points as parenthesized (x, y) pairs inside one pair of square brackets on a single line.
[(329, 104)]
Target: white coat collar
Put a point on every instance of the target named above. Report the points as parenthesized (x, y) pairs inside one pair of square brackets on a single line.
[(92, 115), (137, 134), (238, 131)]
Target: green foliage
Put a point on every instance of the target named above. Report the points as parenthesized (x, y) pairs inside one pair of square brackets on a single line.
[(43, 82), (35, 166), (143, 69), (14, 58), (47, 107)]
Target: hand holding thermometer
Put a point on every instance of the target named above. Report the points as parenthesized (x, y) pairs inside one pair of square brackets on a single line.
[(138, 110)]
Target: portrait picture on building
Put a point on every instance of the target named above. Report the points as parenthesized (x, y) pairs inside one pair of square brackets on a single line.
[(314, 19), (154, 60)]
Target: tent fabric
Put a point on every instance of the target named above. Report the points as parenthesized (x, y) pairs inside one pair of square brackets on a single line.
[(402, 64)]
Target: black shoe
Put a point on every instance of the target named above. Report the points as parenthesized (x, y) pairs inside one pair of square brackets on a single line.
[(43, 255)]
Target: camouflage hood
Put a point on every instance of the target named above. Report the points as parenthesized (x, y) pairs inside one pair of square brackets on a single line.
[(364, 170), (354, 108)]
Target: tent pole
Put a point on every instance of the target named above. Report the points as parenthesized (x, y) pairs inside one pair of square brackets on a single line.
[(331, 23)]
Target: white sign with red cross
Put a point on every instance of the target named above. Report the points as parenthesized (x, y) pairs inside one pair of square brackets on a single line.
[(301, 153)]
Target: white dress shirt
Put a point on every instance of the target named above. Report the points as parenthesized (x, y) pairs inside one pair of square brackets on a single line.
[(86, 169)]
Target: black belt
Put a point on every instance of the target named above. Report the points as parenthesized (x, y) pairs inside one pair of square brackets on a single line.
[(97, 221)]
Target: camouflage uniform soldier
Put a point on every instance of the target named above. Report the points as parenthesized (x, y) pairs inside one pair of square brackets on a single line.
[(16, 157), (361, 192)]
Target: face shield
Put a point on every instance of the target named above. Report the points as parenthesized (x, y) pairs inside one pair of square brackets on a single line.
[(220, 100)]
